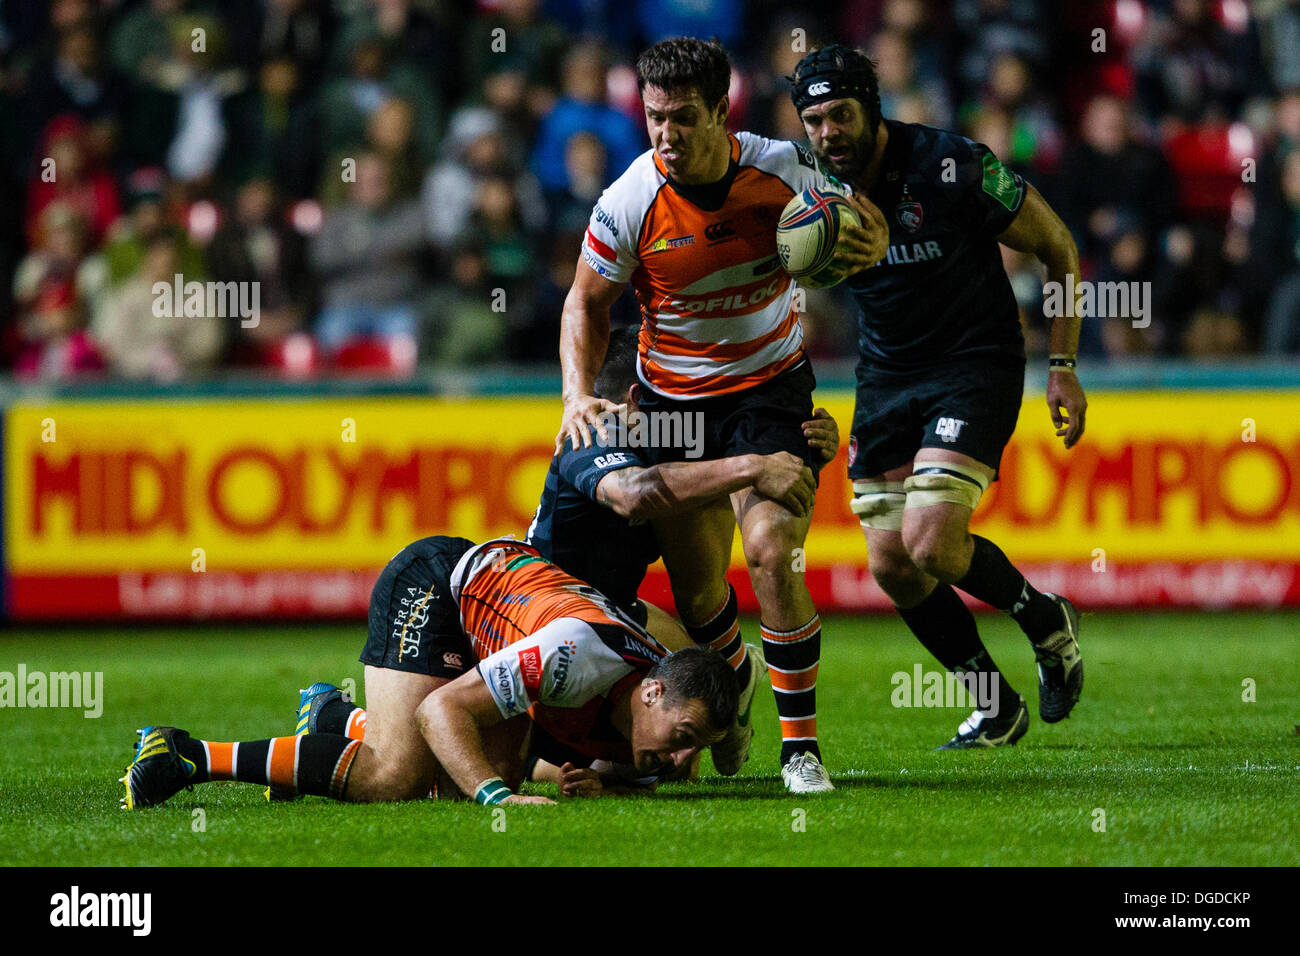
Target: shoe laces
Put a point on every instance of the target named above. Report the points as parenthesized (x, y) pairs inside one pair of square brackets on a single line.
[(806, 767)]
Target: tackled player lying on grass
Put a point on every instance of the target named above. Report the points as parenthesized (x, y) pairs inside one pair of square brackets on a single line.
[(551, 651)]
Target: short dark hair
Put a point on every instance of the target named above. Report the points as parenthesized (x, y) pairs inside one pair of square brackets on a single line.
[(618, 372), (686, 63), (700, 673)]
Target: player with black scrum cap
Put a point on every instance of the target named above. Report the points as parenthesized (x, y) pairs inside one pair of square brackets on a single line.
[(940, 378)]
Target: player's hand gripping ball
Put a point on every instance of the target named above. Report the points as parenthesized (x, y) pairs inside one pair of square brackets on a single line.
[(806, 235)]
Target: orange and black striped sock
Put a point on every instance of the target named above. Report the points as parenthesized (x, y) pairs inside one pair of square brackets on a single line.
[(722, 633), (341, 716), (792, 661), (316, 764)]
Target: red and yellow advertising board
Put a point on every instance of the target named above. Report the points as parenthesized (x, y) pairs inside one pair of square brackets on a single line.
[(257, 507)]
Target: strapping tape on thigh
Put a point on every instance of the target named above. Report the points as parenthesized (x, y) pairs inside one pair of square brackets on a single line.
[(936, 481), (879, 504)]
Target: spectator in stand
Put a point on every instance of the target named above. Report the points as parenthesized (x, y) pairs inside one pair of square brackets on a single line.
[(141, 336), (367, 259), (67, 171), (535, 341), (1190, 69), (513, 53), (145, 221), (256, 245), (1279, 23), (60, 257), (426, 36), (582, 108), (475, 148), (900, 85), (197, 75), (374, 76), (586, 174), (75, 80), (462, 328), (1125, 259), (142, 40), (55, 346), (1189, 274), (1036, 140), (770, 96), (1275, 244), (987, 29), (1108, 174), (298, 30), (273, 127)]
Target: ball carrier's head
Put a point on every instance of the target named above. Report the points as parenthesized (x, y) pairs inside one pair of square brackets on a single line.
[(837, 93), (683, 84)]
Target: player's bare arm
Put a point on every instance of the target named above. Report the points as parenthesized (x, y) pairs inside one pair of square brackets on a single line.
[(1039, 231), (584, 336), (673, 487), (452, 720)]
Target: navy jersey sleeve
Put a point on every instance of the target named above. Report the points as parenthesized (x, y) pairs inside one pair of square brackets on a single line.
[(990, 194), (584, 467)]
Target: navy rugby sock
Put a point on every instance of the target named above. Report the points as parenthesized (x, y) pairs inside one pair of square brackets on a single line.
[(994, 580), (946, 628)]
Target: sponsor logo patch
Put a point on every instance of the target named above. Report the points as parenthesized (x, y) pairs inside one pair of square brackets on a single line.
[(660, 245), (948, 428), (606, 220), (530, 667)]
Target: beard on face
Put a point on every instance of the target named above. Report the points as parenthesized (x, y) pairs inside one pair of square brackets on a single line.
[(858, 156)]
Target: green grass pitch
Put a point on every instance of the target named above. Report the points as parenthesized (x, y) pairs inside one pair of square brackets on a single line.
[(1185, 770)]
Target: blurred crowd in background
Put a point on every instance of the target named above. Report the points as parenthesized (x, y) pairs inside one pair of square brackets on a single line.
[(407, 181)]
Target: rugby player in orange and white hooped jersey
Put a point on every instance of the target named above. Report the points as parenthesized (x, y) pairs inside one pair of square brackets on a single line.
[(691, 226), (464, 641)]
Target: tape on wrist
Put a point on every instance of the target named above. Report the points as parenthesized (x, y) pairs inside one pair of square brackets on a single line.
[(1061, 363), (491, 792)]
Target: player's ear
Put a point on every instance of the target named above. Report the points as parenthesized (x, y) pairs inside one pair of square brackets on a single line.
[(651, 690), (634, 393), (722, 110)]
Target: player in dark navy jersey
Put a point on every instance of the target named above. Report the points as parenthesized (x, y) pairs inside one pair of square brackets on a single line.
[(940, 378), (593, 520)]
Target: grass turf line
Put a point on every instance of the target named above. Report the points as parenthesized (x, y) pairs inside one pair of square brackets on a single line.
[(1185, 770)]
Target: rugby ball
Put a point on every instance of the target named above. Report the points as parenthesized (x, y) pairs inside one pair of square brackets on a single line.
[(806, 234)]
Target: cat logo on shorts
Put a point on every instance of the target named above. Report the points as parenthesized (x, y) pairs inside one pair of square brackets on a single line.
[(948, 428)]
